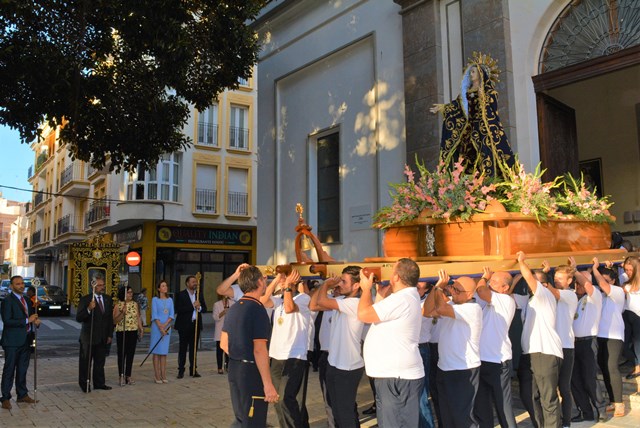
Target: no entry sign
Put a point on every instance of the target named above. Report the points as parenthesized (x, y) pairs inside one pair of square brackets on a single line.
[(133, 258)]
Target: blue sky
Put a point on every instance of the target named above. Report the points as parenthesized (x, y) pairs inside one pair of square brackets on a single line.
[(16, 160)]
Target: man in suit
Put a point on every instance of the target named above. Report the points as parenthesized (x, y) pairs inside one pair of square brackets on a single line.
[(188, 307), (19, 319), (95, 312)]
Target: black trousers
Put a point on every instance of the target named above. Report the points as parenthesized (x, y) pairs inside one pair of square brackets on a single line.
[(564, 385), (323, 364), (457, 390), (220, 356), (398, 402), (187, 341), (584, 386), (98, 355), (433, 385), (287, 377), (494, 390), (608, 353), (342, 386), (538, 375), (245, 382), (126, 350), (16, 364)]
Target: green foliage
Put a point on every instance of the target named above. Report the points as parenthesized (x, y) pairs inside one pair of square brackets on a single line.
[(120, 74)]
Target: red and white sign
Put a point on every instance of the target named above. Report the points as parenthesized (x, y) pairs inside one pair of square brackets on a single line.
[(133, 258)]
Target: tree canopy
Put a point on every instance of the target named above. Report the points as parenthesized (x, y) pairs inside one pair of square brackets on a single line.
[(122, 75)]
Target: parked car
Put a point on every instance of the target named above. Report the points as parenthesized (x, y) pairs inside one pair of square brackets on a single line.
[(4, 288), (52, 300)]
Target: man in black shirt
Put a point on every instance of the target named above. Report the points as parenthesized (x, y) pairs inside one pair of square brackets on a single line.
[(244, 338)]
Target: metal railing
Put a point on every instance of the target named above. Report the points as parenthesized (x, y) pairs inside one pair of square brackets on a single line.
[(70, 173), (237, 203), (238, 138), (98, 211), (206, 201), (36, 237), (208, 134), (68, 224), (38, 199)]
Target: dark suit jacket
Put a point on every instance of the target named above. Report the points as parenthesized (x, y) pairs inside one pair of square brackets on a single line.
[(102, 322), (184, 310), (14, 319)]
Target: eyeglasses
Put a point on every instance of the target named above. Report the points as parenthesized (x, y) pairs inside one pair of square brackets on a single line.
[(457, 290)]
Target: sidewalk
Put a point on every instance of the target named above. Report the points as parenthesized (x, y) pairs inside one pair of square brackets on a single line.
[(188, 402)]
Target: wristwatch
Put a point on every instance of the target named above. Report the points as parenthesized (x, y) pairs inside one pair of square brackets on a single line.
[(289, 289)]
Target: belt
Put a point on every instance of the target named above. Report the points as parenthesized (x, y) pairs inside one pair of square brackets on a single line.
[(243, 361), (582, 339)]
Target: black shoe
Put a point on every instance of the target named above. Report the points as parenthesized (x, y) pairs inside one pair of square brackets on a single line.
[(85, 389), (196, 374), (632, 375), (370, 411), (180, 375), (580, 418), (105, 387)]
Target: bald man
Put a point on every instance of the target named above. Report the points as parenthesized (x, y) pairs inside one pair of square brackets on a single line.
[(458, 374), (498, 309)]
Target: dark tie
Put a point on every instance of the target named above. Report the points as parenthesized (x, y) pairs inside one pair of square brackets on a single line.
[(100, 304)]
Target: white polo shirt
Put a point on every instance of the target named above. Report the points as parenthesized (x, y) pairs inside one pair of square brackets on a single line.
[(237, 292), (426, 327), (346, 335), (289, 337), (391, 346), (588, 314), (539, 330), (611, 323), (633, 300), (495, 345), (459, 345), (435, 330), (565, 312)]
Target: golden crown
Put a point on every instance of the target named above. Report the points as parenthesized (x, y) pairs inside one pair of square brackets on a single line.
[(488, 64)]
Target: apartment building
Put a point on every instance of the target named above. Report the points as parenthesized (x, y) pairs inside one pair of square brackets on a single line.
[(12, 227), (194, 212)]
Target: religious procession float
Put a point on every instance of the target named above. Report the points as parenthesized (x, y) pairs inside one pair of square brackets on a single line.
[(479, 207)]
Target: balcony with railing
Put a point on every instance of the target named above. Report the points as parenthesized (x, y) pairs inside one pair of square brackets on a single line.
[(30, 172), (38, 199), (206, 201), (208, 134), (36, 238), (69, 225), (72, 181), (98, 211), (41, 159), (238, 138), (237, 204)]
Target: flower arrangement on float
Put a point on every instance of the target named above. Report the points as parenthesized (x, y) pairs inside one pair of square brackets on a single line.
[(453, 194)]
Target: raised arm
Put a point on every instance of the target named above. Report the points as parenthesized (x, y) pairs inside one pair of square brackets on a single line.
[(290, 281), (581, 278), (224, 289), (528, 276), (483, 290), (265, 299), (322, 300), (442, 306), (366, 312), (602, 282)]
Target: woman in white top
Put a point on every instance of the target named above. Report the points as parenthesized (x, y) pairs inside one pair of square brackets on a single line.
[(631, 267), (610, 334), (220, 309)]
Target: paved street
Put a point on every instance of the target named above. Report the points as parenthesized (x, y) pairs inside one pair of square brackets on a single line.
[(202, 402)]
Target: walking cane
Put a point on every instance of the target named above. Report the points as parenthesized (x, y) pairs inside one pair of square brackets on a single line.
[(154, 346), (34, 302), (93, 295), (195, 335)]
